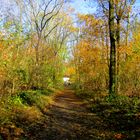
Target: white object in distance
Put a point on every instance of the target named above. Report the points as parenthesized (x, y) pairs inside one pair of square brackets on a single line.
[(66, 79)]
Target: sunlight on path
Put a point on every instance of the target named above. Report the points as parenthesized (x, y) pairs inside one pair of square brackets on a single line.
[(68, 118)]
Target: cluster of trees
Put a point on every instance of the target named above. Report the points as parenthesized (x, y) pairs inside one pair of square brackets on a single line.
[(36, 36), (33, 44), (106, 54)]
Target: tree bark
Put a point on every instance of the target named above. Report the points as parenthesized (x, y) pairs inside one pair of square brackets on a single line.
[(112, 67), (118, 53)]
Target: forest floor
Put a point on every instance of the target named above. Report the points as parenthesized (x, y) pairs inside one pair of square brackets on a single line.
[(69, 118)]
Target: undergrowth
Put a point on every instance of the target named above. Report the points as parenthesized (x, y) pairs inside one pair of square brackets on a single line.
[(120, 114), (26, 107)]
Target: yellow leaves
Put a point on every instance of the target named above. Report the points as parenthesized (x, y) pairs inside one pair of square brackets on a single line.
[(85, 17), (2, 47), (91, 26), (125, 49), (73, 29), (88, 19), (118, 1), (70, 71), (88, 57), (66, 20), (87, 51), (135, 44), (136, 38)]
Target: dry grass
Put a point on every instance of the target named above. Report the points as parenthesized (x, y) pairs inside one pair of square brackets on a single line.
[(28, 114)]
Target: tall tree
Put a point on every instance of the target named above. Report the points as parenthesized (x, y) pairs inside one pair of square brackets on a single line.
[(112, 67)]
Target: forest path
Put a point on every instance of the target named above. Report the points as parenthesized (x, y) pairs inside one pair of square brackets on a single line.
[(68, 118)]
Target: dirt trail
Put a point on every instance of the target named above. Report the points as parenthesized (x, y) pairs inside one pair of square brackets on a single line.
[(68, 119)]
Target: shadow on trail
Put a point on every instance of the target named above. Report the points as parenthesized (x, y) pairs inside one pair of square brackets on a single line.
[(68, 119)]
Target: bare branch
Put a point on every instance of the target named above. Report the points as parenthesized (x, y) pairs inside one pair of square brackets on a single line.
[(47, 20), (51, 30), (46, 14)]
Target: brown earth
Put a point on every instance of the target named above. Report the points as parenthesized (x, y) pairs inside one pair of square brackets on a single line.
[(68, 118)]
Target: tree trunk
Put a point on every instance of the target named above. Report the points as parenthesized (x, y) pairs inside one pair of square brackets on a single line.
[(118, 54), (112, 67)]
